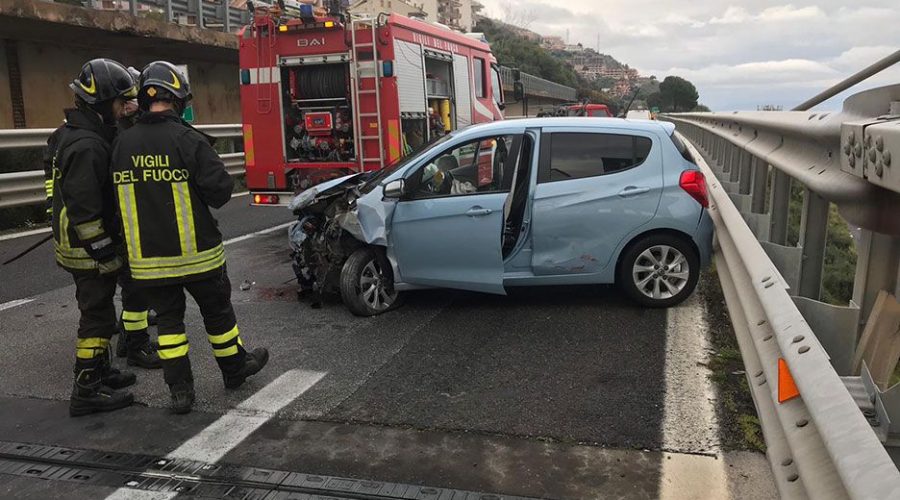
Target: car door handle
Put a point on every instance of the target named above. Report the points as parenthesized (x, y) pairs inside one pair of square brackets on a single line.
[(633, 191), (478, 212)]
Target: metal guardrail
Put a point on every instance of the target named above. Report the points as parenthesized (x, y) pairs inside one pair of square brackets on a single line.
[(209, 14), (538, 87), (819, 445), (27, 188)]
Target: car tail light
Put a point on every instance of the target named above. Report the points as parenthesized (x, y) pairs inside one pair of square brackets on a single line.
[(265, 199), (694, 183)]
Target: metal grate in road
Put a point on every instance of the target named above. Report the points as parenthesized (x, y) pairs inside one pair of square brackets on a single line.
[(188, 477)]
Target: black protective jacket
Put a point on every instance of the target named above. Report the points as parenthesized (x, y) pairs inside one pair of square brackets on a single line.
[(84, 219), (166, 176)]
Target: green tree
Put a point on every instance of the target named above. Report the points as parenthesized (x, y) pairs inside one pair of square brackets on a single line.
[(701, 108), (678, 94)]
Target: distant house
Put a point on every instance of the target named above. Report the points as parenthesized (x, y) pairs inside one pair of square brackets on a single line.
[(375, 7)]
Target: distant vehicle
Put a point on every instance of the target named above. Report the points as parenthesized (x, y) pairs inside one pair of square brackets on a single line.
[(541, 201), (639, 114), (324, 95), (579, 109)]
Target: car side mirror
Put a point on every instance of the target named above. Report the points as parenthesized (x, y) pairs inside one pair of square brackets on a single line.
[(502, 106), (395, 189)]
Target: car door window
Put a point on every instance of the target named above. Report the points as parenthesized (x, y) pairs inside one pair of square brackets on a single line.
[(579, 155), (484, 165)]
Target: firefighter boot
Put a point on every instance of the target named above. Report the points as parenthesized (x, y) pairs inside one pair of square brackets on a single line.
[(88, 393), (182, 397), (143, 354), (113, 377), (254, 361)]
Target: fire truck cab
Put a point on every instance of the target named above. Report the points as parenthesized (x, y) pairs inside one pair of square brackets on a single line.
[(324, 95)]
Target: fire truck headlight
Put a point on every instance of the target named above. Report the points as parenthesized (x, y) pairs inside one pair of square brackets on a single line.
[(387, 69)]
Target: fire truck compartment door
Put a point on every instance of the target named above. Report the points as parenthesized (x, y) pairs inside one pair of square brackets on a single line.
[(410, 76), (462, 91)]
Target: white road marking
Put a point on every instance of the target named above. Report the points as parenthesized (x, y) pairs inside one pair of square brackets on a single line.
[(43, 230), (22, 234), (258, 233), (13, 303), (215, 441), (690, 424), (19, 302)]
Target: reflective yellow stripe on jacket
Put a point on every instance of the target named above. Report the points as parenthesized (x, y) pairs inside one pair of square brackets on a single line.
[(191, 261), (72, 258)]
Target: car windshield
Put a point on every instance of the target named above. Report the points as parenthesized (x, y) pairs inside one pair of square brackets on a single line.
[(382, 174)]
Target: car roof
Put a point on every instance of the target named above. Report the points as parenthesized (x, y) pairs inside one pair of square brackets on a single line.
[(574, 121)]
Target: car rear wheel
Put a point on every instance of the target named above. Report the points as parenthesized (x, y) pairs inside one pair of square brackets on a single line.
[(659, 270), (366, 286)]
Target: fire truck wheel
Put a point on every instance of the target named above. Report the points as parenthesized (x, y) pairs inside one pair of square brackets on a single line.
[(367, 284)]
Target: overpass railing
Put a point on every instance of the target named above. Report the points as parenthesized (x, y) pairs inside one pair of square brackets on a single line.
[(537, 87), (830, 441), (27, 188), (209, 14)]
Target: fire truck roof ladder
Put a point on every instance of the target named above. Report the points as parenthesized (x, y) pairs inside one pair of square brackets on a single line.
[(358, 92)]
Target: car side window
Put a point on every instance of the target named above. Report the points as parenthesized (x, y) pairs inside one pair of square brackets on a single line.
[(476, 167), (578, 155)]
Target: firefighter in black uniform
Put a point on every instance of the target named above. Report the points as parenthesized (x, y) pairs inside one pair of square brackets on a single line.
[(85, 228), (166, 176)]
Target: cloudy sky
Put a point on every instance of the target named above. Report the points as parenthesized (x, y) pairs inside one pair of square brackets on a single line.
[(739, 53)]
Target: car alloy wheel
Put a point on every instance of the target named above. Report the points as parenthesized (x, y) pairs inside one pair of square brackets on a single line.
[(372, 290), (661, 272)]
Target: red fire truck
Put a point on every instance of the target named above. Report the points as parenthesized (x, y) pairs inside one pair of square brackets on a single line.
[(325, 95)]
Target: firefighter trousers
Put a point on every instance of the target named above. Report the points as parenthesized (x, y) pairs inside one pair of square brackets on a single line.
[(94, 294), (213, 296), (134, 312)]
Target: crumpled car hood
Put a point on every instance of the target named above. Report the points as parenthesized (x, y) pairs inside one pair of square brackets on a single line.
[(308, 197)]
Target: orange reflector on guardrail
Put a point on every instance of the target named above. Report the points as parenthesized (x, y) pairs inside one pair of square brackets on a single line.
[(787, 389)]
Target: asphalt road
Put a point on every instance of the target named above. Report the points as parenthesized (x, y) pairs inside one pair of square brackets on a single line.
[(548, 392)]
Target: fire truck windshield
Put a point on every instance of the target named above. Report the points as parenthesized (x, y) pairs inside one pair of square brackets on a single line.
[(390, 169)]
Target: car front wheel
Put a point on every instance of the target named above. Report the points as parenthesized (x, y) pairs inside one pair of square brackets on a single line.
[(659, 270), (367, 286)]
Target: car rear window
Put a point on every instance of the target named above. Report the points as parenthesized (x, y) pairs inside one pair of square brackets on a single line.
[(580, 155), (679, 145)]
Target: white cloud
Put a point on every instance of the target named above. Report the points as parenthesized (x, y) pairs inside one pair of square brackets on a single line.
[(739, 53), (789, 13), (732, 15)]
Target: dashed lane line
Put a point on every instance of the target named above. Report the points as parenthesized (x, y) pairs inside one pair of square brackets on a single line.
[(13, 303), (19, 302), (258, 233), (43, 230), (223, 435)]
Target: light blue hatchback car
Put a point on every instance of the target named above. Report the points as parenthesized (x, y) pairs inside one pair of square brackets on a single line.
[(547, 201)]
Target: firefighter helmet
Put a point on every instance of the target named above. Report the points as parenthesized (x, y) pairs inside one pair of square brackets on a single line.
[(102, 80), (166, 77)]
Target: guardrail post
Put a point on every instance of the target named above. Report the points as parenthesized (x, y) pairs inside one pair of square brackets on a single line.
[(877, 268), (760, 182), (734, 160), (169, 18), (746, 160), (200, 13), (780, 206), (133, 7), (813, 229), (227, 8)]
